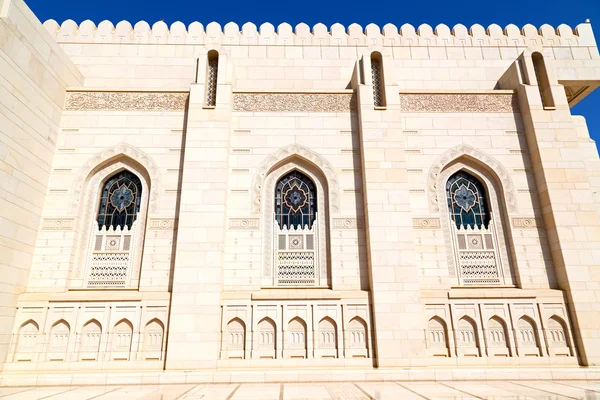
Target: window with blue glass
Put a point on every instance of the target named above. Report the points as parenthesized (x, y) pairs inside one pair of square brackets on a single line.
[(120, 200), (295, 201), (467, 201)]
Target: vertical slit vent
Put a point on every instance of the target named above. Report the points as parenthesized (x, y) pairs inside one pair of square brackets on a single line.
[(211, 79)]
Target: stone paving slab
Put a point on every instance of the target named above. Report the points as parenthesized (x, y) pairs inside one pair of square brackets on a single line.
[(456, 390)]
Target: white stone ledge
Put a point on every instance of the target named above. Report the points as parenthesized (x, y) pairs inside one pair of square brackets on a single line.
[(336, 35), (280, 375)]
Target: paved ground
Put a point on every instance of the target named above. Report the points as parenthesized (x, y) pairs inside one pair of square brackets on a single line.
[(495, 390)]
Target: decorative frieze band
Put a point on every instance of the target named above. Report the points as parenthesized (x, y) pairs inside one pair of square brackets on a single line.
[(294, 102), (243, 223), (348, 223), (491, 103), (126, 101), (57, 224), (426, 223), (526, 223), (162, 223)]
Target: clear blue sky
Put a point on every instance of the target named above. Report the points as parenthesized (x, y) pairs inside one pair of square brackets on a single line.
[(432, 12)]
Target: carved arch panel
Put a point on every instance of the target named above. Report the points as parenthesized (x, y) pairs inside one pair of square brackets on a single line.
[(320, 230), (459, 242), (88, 227)]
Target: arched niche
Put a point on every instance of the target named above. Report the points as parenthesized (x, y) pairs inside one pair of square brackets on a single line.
[(236, 339), (327, 339), (266, 340), (91, 336), (122, 335), (27, 341), (295, 346), (437, 337), (528, 343), (153, 339), (357, 338), (467, 338), (497, 337)]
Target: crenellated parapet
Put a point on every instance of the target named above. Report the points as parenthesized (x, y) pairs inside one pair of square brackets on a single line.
[(320, 35)]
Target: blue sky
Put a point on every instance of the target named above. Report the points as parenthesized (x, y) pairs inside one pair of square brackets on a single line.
[(432, 12)]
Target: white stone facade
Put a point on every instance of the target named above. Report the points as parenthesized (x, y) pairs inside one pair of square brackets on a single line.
[(200, 198)]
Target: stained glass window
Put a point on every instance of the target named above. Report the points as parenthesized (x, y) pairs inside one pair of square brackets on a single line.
[(467, 201), (120, 200), (295, 201)]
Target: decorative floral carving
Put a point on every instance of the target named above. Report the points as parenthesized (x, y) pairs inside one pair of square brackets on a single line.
[(126, 101), (161, 223), (493, 103), (526, 223), (57, 224), (243, 223), (426, 223), (307, 154), (488, 161), (294, 102), (348, 223)]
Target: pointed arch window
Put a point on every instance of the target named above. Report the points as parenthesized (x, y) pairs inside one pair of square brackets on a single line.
[(114, 240), (295, 201), (296, 250), (120, 201), (474, 236), (467, 201)]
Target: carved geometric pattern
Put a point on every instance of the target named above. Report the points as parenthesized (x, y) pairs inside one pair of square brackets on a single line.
[(377, 82), (126, 101), (211, 84), (526, 223), (57, 224), (348, 223), (161, 223), (244, 223), (448, 103), (295, 268), (426, 223), (108, 269), (294, 102)]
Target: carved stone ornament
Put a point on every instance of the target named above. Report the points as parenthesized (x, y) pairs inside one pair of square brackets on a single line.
[(302, 152), (126, 101), (526, 223), (161, 224), (471, 103), (488, 161), (244, 223), (348, 223), (426, 223), (114, 152), (57, 224), (294, 102)]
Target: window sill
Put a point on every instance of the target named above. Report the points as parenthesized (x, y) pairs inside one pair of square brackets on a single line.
[(209, 107), (381, 108), (549, 108)]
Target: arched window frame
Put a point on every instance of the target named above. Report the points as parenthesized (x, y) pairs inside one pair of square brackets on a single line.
[(268, 195), (111, 187), (377, 80), (212, 74), (87, 220), (497, 211)]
